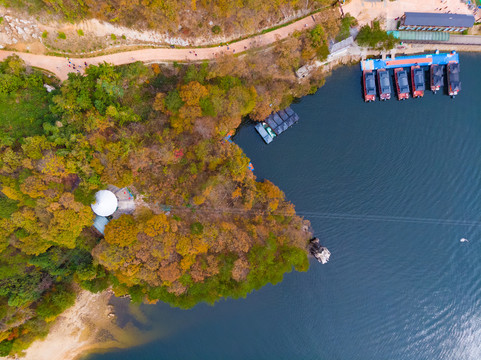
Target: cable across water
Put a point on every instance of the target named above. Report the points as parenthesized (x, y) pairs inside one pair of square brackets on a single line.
[(340, 216)]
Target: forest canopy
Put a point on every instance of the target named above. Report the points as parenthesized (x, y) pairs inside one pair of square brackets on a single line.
[(203, 227)]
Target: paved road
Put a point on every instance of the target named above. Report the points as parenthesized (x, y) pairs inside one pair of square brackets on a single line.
[(60, 65), (465, 39)]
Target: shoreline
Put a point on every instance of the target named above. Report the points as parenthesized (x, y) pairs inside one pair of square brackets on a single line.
[(88, 326)]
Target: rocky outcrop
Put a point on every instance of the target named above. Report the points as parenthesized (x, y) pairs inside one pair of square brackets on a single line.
[(318, 251), (13, 30)]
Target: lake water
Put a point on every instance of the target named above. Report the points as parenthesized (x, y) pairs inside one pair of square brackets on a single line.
[(390, 188)]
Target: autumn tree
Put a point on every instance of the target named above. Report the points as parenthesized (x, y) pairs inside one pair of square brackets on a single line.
[(122, 231)]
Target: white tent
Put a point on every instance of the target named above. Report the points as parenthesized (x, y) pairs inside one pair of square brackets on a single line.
[(105, 203)]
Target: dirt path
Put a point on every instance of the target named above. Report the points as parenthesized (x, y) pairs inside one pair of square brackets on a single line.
[(364, 10), (60, 65)]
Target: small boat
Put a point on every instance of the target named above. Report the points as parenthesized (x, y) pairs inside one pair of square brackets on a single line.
[(369, 85), (417, 80), (437, 77), (265, 132), (402, 83), (464, 240), (384, 83), (454, 85)]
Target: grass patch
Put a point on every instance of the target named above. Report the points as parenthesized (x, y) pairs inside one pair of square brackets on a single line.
[(22, 112), (61, 35)]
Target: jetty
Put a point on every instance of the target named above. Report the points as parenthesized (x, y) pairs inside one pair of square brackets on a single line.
[(408, 61), (416, 64), (276, 123)]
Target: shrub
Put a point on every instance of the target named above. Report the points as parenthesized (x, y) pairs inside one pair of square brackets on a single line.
[(80, 32), (5, 347), (196, 228), (45, 34), (347, 22), (61, 35), (124, 37), (216, 29), (375, 37), (113, 37), (55, 302), (318, 39)]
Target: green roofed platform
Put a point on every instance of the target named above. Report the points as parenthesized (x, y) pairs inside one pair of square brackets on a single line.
[(420, 35)]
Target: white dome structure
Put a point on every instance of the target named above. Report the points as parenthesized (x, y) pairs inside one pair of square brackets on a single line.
[(105, 203)]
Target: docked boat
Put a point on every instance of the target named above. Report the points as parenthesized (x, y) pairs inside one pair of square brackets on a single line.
[(265, 132), (384, 84), (454, 84), (369, 85), (437, 77), (276, 123), (417, 80), (402, 83)]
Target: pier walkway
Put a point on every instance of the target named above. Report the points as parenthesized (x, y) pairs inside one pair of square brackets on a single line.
[(407, 61)]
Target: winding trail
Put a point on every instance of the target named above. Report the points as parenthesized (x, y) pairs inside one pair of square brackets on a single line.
[(60, 65)]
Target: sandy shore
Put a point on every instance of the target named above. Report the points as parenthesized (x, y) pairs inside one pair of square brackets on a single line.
[(76, 330), (83, 328)]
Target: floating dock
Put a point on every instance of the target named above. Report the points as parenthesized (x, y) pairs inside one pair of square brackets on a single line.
[(408, 61), (417, 65), (276, 124)]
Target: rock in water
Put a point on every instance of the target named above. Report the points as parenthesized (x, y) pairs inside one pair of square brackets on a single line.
[(321, 253)]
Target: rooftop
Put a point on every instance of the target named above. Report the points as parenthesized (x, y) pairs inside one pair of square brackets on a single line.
[(436, 19), (105, 203)]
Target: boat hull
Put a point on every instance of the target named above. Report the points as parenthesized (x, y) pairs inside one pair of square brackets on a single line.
[(382, 95), (402, 95), (454, 85), (367, 97), (417, 93)]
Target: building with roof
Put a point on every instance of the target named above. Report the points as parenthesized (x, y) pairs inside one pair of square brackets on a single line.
[(436, 22), (99, 224), (105, 203), (111, 204)]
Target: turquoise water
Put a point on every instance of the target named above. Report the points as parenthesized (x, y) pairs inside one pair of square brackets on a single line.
[(390, 188)]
